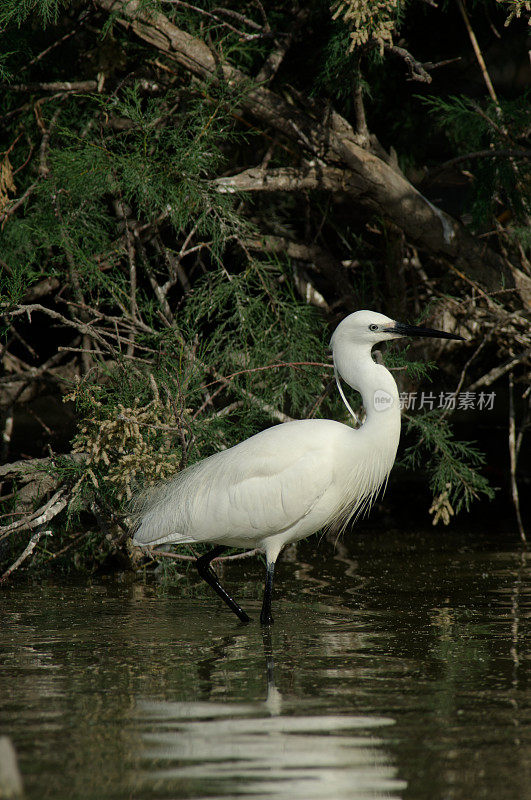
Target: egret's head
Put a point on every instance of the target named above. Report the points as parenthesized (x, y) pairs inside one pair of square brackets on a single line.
[(369, 327)]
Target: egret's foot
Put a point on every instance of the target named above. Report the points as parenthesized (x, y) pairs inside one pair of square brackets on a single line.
[(242, 616)]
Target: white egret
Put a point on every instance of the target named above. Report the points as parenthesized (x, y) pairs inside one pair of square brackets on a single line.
[(293, 479)]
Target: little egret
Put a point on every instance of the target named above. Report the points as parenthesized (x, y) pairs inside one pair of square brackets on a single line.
[(289, 481)]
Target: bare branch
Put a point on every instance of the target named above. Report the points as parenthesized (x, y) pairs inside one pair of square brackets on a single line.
[(24, 555), (417, 70), (497, 372), (182, 557), (82, 327), (477, 51), (44, 514), (82, 20), (272, 63), (16, 203), (56, 86), (361, 120), (512, 456), (503, 153), (291, 179), (211, 15)]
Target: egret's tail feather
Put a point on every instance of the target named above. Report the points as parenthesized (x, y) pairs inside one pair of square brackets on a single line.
[(161, 513)]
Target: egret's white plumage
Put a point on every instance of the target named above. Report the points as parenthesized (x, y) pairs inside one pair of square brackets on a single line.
[(289, 481)]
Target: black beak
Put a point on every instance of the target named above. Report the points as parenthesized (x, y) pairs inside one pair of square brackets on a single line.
[(411, 330)]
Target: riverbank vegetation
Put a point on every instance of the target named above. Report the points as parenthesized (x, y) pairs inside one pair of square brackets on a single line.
[(193, 195)]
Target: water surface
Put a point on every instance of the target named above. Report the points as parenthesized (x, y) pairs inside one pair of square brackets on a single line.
[(397, 668)]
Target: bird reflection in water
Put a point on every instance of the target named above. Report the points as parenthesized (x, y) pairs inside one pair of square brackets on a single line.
[(269, 748)]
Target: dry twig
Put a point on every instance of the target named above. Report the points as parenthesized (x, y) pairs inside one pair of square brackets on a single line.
[(43, 515), (513, 458), (28, 550)]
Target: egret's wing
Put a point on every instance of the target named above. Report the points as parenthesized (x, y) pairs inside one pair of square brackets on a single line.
[(262, 486), (274, 494)]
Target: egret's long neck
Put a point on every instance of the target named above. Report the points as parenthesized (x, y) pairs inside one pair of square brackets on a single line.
[(376, 386)]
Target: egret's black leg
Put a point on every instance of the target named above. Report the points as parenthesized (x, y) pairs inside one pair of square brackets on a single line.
[(265, 615), (207, 573)]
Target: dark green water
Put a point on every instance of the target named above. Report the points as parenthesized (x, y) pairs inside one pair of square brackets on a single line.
[(398, 667)]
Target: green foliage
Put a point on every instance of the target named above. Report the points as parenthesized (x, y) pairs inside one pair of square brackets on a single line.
[(5, 74), (339, 65), (368, 20), (256, 320), (165, 168), (142, 423), (452, 464), (14, 285), (155, 168), (416, 370), (16, 12), (500, 179), (515, 8), (359, 29), (339, 72), (523, 237), (472, 127)]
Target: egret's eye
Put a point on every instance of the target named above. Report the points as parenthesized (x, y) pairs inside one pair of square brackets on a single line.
[(373, 327)]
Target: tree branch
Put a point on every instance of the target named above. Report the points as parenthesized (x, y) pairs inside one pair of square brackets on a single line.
[(48, 511), (322, 261), (272, 63), (513, 459), (54, 86), (25, 553), (417, 72), (290, 179), (385, 190)]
